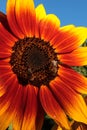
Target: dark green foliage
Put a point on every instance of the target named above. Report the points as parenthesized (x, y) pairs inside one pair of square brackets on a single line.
[(84, 44), (82, 70), (48, 124)]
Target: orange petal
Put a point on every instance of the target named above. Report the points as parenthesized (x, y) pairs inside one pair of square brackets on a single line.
[(21, 105), (52, 107), (74, 79), (8, 104), (5, 100), (40, 14), (49, 24), (25, 113), (25, 16), (2, 89), (30, 111), (77, 57), (11, 17), (72, 102), (5, 122), (69, 38)]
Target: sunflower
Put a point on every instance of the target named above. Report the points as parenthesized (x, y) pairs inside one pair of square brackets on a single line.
[(36, 76)]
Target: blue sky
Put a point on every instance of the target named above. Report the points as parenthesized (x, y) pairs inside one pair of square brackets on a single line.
[(69, 11)]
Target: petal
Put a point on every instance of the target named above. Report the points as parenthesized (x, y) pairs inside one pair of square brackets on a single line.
[(12, 21), (8, 105), (40, 117), (4, 52), (77, 57), (5, 100), (21, 105), (6, 37), (49, 24), (52, 107), (2, 90), (6, 74), (25, 113), (25, 16), (18, 118), (40, 113), (74, 79), (5, 86), (69, 38), (30, 111), (3, 20), (6, 42), (72, 102), (40, 14)]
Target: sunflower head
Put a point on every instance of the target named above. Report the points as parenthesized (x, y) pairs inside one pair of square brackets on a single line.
[(34, 61), (36, 75)]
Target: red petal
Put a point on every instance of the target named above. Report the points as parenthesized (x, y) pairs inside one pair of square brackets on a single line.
[(3, 20), (4, 52), (52, 107), (40, 114), (6, 42), (6, 37), (5, 70)]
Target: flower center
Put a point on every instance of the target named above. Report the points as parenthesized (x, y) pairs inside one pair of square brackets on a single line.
[(34, 61)]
